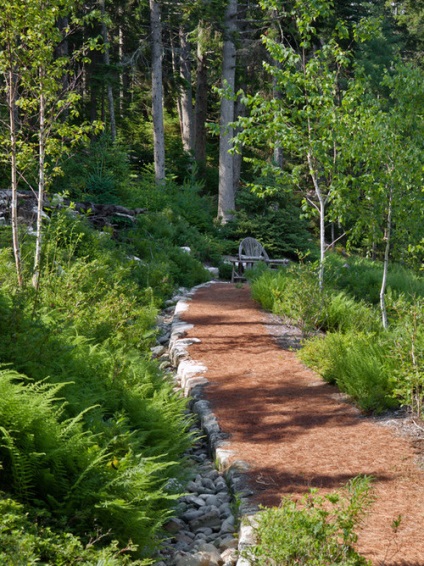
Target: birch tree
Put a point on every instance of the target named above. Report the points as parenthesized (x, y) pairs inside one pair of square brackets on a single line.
[(382, 197), (303, 118), (9, 56), (46, 111)]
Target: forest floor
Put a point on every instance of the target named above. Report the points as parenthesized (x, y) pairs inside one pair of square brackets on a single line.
[(296, 432)]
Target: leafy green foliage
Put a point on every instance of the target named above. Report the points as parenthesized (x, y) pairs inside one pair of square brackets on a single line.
[(99, 172), (24, 539), (273, 219), (356, 363), (378, 369), (317, 530), (108, 454)]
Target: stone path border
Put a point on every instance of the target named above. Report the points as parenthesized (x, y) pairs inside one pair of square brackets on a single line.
[(190, 378)]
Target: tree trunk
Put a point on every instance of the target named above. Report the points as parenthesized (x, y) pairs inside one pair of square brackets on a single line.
[(239, 111), (157, 91), (41, 184), (63, 51), (121, 71), (383, 309), (106, 59), (322, 200), (11, 87), (187, 114), (201, 107), (226, 196), (175, 58), (321, 243)]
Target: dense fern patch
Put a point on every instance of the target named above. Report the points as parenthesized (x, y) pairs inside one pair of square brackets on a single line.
[(92, 433)]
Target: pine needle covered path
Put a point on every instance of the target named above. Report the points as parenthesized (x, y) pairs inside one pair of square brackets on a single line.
[(295, 431)]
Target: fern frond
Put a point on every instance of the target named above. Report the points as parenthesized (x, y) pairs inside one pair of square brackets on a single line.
[(21, 467)]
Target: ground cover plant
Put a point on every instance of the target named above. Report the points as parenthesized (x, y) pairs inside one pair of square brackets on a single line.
[(317, 530), (344, 338), (92, 434)]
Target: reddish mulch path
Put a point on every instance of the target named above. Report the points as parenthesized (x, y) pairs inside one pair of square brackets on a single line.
[(297, 432)]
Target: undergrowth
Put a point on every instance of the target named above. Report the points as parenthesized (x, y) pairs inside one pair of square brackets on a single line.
[(92, 433), (317, 530), (344, 339)]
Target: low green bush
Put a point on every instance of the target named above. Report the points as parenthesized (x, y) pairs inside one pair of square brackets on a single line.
[(283, 292), (357, 363), (355, 353), (25, 539), (342, 313), (275, 220), (318, 530), (407, 354), (361, 278)]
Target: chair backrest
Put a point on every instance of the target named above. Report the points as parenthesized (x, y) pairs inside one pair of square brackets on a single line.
[(249, 247)]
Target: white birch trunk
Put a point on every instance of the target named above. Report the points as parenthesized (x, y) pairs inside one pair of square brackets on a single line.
[(157, 92), (239, 111), (383, 308), (41, 184), (11, 86), (322, 200), (226, 196), (321, 242)]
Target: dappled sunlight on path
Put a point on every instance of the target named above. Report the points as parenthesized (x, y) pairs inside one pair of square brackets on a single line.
[(297, 432)]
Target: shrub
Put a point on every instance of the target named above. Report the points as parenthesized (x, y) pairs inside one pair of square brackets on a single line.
[(98, 172), (291, 292), (407, 354), (316, 531), (275, 220), (87, 333), (342, 313), (357, 363), (25, 539), (361, 278)]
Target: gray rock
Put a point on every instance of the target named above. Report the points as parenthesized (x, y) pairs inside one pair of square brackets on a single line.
[(194, 486), (208, 483), (175, 525), (192, 515), (220, 485), (213, 475), (212, 500), (225, 510), (182, 546), (157, 351), (197, 501), (164, 338), (223, 496), (228, 526), (228, 542), (210, 519), (205, 530)]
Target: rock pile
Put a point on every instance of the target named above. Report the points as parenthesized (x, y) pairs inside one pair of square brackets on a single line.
[(206, 531), (99, 215)]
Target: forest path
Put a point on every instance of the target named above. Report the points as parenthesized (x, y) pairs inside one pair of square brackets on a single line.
[(295, 431)]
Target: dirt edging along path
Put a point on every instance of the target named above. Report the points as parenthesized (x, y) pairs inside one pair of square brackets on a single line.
[(294, 431)]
